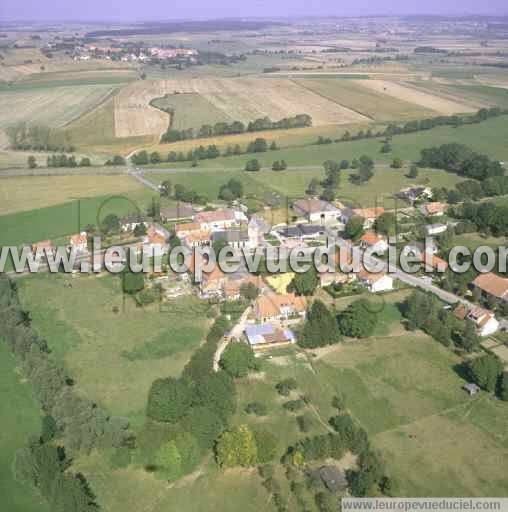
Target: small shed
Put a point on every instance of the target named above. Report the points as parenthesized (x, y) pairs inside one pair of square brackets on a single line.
[(334, 479), (471, 388)]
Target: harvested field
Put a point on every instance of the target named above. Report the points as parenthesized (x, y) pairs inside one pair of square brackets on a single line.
[(54, 106), (411, 94), (133, 113), (242, 99), (371, 103)]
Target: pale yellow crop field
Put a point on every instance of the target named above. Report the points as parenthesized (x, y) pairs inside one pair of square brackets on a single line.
[(32, 192), (411, 94), (52, 106), (242, 99)]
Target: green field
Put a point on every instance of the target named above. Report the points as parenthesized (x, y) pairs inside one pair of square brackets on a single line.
[(190, 111), (379, 107), (436, 440), (293, 182), (32, 192), (208, 183), (488, 137), (485, 94), (20, 418), (113, 356), (67, 218)]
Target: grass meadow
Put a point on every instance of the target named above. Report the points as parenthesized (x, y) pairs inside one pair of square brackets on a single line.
[(292, 183), (114, 356)]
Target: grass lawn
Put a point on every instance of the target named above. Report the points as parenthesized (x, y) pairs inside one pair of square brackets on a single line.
[(20, 418), (33, 192), (206, 489), (436, 440), (114, 357), (208, 183), (475, 240)]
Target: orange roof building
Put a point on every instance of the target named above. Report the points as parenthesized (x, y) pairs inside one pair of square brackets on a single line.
[(493, 285), (182, 230), (369, 214), (279, 307), (433, 209), (79, 241), (434, 262)]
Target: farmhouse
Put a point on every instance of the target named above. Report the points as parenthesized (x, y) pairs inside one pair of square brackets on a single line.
[(380, 282), (233, 284), (131, 222), (412, 194), (375, 241), (368, 214), (79, 242), (237, 238), (182, 230), (272, 307), (41, 249), (256, 229), (212, 284), (316, 210), (178, 212), (302, 232), (197, 238), (435, 209), (268, 335), (219, 219), (155, 239), (334, 479), (485, 321), (435, 229), (342, 258), (492, 285), (434, 263)]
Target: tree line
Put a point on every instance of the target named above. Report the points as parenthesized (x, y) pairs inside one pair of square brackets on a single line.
[(75, 422), (259, 145), (486, 216), (36, 137), (66, 161), (236, 127), (418, 125)]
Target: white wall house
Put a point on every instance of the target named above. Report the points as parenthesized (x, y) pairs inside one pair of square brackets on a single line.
[(376, 283)]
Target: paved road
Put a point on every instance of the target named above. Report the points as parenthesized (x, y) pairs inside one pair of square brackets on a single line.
[(410, 279), (137, 175)]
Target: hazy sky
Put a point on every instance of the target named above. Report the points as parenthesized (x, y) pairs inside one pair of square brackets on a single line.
[(171, 9)]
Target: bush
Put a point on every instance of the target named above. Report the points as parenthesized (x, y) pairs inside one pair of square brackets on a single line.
[(294, 405), (284, 387), (257, 408)]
